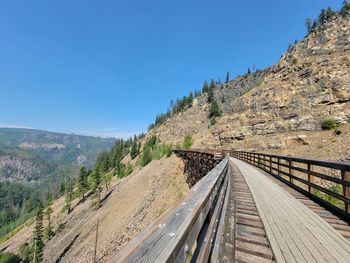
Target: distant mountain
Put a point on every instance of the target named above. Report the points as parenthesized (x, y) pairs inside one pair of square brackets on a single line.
[(30, 156)]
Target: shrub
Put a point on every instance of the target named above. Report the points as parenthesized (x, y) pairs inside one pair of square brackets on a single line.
[(328, 124), (187, 142), (294, 61), (7, 257)]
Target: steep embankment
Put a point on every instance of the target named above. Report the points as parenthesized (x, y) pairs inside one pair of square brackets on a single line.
[(282, 105), (128, 207)]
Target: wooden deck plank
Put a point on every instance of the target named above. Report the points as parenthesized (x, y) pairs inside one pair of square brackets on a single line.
[(315, 229), (296, 233)]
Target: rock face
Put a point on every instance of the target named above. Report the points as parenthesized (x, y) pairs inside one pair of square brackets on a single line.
[(16, 168), (30, 156), (311, 82)]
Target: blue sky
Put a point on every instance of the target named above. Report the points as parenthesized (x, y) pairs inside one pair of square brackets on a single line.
[(108, 67)]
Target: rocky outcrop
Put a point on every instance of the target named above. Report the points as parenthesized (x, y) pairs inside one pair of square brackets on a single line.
[(17, 168), (308, 84)]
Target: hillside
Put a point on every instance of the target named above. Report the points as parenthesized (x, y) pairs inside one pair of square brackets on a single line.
[(29, 156), (309, 84), (129, 205)]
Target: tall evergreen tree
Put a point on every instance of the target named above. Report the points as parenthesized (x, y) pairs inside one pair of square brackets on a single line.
[(205, 87), (83, 182), (212, 85), (308, 25), (69, 195), (322, 16), (97, 186), (214, 110), (227, 77), (49, 230), (329, 13), (345, 8), (38, 237), (134, 150)]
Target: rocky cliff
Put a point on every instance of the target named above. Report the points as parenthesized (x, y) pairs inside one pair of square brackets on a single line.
[(31, 155), (308, 84)]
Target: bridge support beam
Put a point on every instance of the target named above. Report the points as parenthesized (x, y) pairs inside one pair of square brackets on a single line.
[(197, 164)]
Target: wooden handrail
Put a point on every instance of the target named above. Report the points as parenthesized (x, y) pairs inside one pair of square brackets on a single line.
[(172, 237), (305, 181)]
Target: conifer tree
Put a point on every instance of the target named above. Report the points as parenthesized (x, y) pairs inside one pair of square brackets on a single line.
[(134, 150), (82, 181), (49, 230), (38, 237), (322, 16), (69, 195), (212, 85), (214, 110), (210, 95), (330, 13), (227, 77), (97, 186), (248, 72), (205, 87), (345, 8), (308, 25)]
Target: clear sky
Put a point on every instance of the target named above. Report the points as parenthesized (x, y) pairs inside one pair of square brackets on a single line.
[(108, 67)]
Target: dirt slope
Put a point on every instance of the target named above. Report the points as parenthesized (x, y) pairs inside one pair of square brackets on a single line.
[(130, 205)]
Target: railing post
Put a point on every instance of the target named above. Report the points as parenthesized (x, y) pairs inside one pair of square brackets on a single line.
[(290, 163), (278, 166), (310, 178), (270, 164), (346, 190)]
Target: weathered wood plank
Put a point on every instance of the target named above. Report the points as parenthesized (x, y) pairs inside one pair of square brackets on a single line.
[(295, 232)]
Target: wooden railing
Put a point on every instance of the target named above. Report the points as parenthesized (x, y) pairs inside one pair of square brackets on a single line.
[(188, 231), (326, 182)]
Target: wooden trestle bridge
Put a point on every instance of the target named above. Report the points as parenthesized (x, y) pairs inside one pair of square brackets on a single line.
[(252, 207)]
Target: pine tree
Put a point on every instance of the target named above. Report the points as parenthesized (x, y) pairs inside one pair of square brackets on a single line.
[(134, 150), (97, 186), (314, 26), (38, 237), (212, 85), (69, 195), (190, 99), (248, 72), (227, 77), (82, 181), (345, 8), (205, 87), (308, 25), (329, 13), (146, 157), (210, 95), (48, 232), (322, 16), (214, 110), (107, 178)]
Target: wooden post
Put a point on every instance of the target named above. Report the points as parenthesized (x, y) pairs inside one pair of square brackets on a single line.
[(270, 163), (346, 189), (310, 178), (278, 166), (95, 252), (290, 163)]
